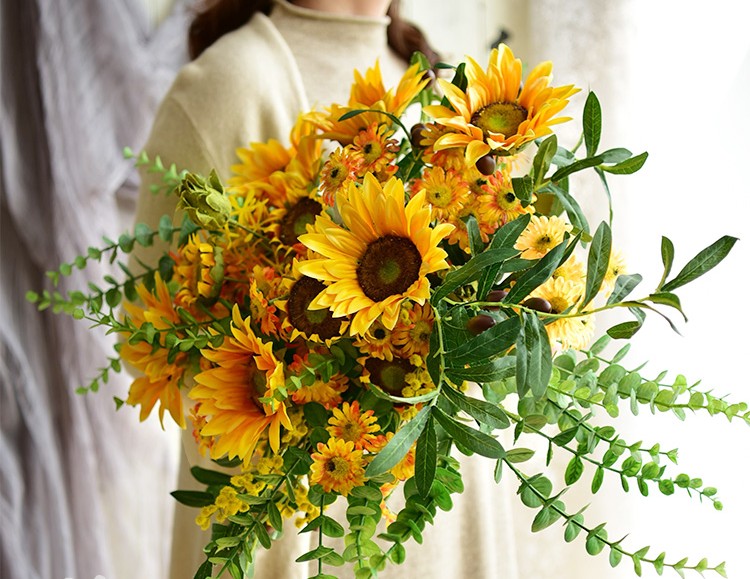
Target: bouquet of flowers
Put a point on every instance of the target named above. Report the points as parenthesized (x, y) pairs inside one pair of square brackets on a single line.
[(351, 310)]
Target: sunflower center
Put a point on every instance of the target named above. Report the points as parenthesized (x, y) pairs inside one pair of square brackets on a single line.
[(320, 322), (503, 118), (390, 376), (296, 220), (338, 467), (388, 267)]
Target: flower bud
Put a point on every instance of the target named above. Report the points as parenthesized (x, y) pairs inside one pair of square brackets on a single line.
[(204, 200)]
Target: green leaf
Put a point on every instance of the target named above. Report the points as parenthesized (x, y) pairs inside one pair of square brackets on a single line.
[(315, 414), (296, 461), (468, 437), (471, 270), (498, 369), (574, 470), (204, 571), (572, 208), (543, 157), (516, 455), (486, 345), (596, 482), (425, 460), (592, 124), (481, 411), (537, 274), (399, 445), (576, 166), (667, 299), (142, 234), (706, 259), (533, 357), (531, 489), (546, 517), (624, 331), (476, 246), (315, 554), (505, 236), (193, 498), (628, 166), (624, 284), (210, 477), (598, 262), (523, 188)]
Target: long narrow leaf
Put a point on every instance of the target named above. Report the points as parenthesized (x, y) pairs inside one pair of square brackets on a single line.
[(598, 262), (399, 445)]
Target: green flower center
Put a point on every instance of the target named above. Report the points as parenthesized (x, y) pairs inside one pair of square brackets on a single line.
[(503, 118), (389, 266), (297, 218), (320, 322)]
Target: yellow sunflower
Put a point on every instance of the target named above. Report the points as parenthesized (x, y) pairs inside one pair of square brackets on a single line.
[(495, 111), (380, 257), (337, 467), (562, 294), (350, 424), (368, 92), (230, 393), (541, 235)]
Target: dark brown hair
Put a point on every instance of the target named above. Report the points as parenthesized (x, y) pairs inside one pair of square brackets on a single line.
[(218, 17)]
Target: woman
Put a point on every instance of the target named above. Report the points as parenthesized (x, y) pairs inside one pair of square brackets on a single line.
[(258, 65)]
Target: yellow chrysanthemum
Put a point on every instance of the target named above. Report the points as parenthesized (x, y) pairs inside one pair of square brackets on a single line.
[(572, 270), (162, 378), (325, 392), (541, 235), (337, 467), (380, 257), (445, 190), (245, 370), (412, 332), (562, 294), (350, 424), (495, 111)]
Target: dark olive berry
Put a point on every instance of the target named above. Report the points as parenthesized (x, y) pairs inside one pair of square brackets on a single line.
[(480, 323), (486, 165), (497, 295), (417, 134), (538, 304)]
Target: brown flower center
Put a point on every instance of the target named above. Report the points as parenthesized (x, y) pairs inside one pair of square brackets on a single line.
[(389, 266), (503, 118), (389, 375), (256, 384), (297, 218), (320, 322)]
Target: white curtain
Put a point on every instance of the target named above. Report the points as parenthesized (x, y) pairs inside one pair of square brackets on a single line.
[(83, 489)]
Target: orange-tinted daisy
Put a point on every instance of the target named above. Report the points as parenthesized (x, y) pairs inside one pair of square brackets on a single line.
[(499, 204), (377, 342), (349, 423), (373, 151), (413, 330), (445, 190), (245, 371), (337, 467), (495, 111), (379, 256), (338, 172)]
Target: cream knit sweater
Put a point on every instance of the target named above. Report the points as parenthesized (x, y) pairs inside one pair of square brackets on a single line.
[(250, 86)]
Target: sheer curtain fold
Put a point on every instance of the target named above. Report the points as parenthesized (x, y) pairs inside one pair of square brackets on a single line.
[(82, 488)]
